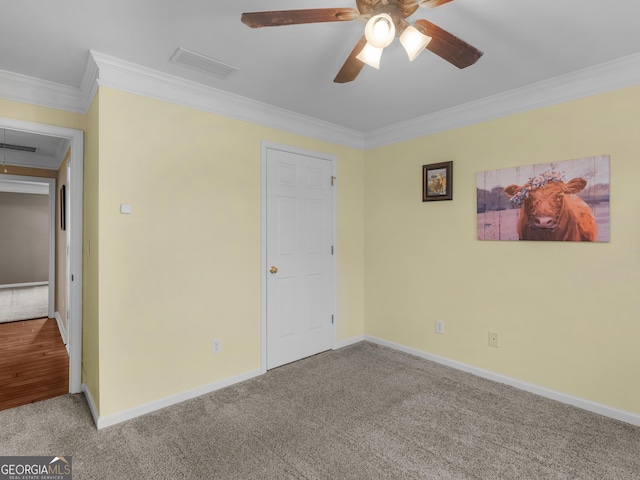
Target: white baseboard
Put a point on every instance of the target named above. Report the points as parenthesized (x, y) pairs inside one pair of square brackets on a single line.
[(109, 420), (22, 285), (628, 417), (63, 331), (348, 341)]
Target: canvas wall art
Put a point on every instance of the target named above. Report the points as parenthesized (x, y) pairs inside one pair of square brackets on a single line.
[(558, 201)]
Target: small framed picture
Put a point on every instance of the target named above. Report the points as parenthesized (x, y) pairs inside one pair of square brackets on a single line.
[(437, 182), (63, 207)]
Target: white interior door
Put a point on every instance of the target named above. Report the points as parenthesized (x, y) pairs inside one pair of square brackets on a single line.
[(299, 278)]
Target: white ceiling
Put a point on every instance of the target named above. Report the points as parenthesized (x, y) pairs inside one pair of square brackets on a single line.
[(49, 150), (292, 67)]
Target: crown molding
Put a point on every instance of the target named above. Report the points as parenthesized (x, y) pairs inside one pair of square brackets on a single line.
[(623, 72), (21, 88), (129, 77), (109, 71), (89, 83)]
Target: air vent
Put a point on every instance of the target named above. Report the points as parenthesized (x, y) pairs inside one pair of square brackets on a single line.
[(19, 148), (203, 64)]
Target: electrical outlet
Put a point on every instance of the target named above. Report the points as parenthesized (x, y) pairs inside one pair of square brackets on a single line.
[(216, 346), (493, 339), (439, 327)]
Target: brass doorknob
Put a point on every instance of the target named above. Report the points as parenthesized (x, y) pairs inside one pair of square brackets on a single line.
[(273, 269)]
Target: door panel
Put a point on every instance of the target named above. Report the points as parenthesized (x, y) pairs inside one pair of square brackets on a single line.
[(298, 243)]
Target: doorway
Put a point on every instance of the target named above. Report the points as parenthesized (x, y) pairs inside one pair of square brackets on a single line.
[(75, 141), (27, 280), (298, 254)]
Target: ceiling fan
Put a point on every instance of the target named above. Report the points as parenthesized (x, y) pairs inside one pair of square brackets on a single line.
[(385, 19)]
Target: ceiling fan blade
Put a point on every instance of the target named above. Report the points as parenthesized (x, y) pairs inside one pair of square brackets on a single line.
[(432, 3), (294, 17), (448, 46), (352, 66)]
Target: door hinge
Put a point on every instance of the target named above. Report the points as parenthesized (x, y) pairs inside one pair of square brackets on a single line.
[(332, 319), (333, 180)]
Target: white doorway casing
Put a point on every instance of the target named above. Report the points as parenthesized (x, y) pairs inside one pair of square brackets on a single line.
[(326, 336), (74, 322)]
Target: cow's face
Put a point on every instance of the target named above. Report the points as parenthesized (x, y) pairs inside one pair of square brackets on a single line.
[(542, 205)]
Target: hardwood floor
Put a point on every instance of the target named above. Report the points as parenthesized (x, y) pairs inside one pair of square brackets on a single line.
[(34, 364)]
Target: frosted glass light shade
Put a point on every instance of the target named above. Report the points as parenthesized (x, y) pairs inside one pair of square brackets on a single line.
[(370, 55), (380, 30), (414, 42)]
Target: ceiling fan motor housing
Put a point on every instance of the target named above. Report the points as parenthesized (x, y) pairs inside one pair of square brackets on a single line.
[(395, 8)]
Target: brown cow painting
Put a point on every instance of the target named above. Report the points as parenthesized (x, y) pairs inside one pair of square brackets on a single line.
[(566, 201), (551, 211)]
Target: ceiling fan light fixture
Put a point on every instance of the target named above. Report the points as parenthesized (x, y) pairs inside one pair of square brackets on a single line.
[(414, 42), (380, 30), (370, 55)]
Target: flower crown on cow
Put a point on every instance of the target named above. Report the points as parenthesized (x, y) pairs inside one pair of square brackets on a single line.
[(536, 182)]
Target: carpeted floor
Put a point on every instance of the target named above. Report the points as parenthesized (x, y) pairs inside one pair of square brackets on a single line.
[(362, 412)]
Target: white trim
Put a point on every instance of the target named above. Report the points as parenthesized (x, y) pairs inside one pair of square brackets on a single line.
[(107, 421), (143, 81), (52, 247), (263, 256), (21, 285), (623, 416), (348, 342), (21, 88), (264, 146), (89, 84), (129, 77), (605, 77), (112, 72), (74, 321), (34, 188), (334, 242), (76, 223), (63, 330)]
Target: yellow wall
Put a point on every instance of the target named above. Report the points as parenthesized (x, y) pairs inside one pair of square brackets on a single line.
[(567, 314), (184, 268), (28, 172), (34, 113)]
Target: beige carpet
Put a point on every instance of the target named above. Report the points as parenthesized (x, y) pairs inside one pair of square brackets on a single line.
[(362, 412)]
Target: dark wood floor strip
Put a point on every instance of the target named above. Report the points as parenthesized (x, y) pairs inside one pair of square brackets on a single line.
[(34, 364)]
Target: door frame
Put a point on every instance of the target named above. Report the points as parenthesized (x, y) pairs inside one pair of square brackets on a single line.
[(264, 147), (74, 323)]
